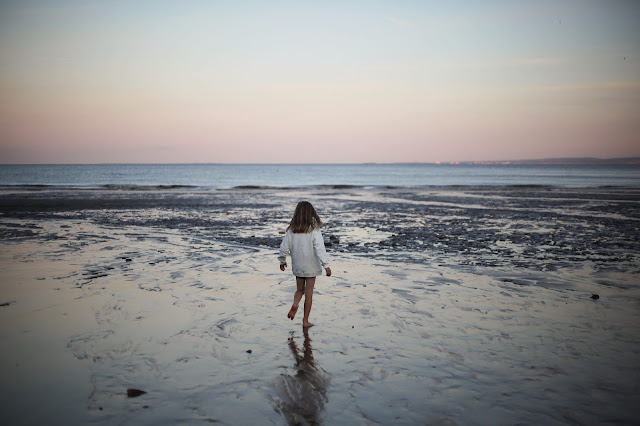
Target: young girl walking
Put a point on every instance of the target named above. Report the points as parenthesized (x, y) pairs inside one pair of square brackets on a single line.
[(303, 241)]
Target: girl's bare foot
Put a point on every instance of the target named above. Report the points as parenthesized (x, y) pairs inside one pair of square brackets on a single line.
[(307, 325), (292, 312)]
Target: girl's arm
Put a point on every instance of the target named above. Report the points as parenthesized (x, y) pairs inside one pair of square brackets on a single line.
[(321, 252), (284, 250)]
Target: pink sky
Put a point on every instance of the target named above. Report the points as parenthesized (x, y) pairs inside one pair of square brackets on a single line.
[(298, 83)]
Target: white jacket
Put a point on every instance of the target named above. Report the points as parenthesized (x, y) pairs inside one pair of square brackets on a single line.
[(308, 255)]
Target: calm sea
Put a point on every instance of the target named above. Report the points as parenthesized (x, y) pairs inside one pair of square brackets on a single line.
[(222, 176)]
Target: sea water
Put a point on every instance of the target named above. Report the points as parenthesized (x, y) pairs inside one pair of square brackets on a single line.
[(224, 176)]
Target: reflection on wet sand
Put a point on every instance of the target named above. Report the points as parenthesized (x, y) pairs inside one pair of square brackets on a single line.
[(303, 394)]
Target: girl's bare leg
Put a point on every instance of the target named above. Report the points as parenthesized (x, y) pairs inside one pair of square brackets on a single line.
[(308, 300), (296, 298)]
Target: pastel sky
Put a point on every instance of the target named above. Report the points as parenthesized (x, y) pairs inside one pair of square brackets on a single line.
[(100, 81)]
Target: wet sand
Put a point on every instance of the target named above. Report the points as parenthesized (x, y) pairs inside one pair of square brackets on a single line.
[(446, 306)]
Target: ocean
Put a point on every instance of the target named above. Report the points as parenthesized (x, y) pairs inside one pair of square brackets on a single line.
[(226, 176)]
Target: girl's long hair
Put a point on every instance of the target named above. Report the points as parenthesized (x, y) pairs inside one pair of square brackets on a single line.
[(305, 219)]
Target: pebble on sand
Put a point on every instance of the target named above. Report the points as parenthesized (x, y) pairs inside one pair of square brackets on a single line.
[(132, 393)]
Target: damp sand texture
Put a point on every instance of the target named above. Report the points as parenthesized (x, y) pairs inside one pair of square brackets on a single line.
[(446, 306)]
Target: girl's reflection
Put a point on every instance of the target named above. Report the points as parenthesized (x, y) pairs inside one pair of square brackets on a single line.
[(303, 395)]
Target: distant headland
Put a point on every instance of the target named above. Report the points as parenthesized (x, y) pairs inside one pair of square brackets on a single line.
[(555, 161)]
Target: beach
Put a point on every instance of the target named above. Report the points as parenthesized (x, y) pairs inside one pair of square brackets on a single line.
[(447, 306)]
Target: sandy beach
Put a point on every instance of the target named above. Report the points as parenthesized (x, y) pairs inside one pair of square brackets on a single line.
[(450, 306)]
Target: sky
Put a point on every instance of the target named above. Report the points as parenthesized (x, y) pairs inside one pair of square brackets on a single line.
[(187, 81)]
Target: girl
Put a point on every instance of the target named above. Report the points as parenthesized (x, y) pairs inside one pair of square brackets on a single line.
[(304, 242)]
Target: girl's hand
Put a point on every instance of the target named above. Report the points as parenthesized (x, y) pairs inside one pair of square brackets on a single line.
[(328, 271), (283, 266)]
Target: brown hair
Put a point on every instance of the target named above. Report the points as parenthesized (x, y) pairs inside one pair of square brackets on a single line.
[(305, 219)]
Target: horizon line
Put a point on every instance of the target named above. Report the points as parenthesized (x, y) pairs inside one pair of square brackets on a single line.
[(539, 161)]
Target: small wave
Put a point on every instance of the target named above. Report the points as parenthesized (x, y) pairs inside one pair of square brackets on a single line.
[(484, 186), (119, 187), (112, 187), (327, 186), (529, 185), (28, 186), (340, 186), (260, 187), (614, 187), (42, 187)]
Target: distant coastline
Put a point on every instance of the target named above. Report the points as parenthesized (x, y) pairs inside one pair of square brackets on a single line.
[(555, 161)]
